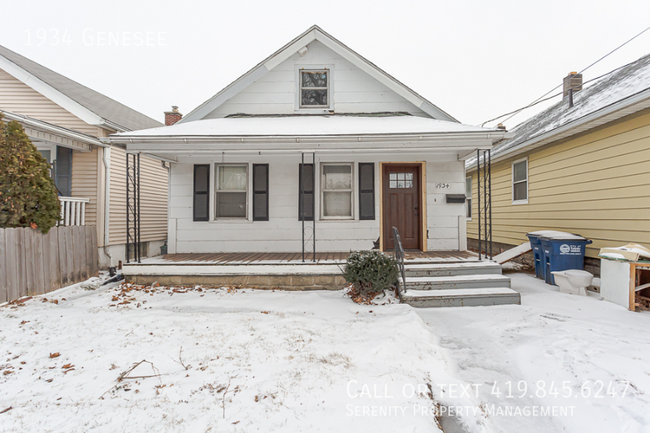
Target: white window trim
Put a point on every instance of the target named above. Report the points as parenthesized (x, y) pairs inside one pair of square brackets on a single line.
[(330, 94), (216, 191), (512, 181), (322, 192), (469, 198)]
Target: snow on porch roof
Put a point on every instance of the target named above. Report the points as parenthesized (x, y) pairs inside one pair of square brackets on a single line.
[(307, 125)]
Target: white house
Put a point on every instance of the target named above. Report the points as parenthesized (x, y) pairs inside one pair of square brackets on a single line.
[(372, 154)]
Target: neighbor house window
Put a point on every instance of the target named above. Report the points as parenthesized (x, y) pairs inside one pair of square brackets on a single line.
[(314, 89), (520, 181), (232, 191), (336, 187), (468, 197)]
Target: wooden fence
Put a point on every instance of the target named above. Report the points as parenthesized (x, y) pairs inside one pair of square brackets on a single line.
[(32, 263)]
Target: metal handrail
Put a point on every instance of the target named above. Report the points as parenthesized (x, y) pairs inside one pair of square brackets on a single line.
[(399, 256)]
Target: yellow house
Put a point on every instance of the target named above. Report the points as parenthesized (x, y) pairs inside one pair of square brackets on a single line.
[(69, 125), (581, 166)]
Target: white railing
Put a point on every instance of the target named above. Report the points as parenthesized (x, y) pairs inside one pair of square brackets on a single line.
[(73, 211)]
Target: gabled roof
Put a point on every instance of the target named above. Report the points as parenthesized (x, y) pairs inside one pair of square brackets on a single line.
[(315, 33), (620, 93), (87, 104)]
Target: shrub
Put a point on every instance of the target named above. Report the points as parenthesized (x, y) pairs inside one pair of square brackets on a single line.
[(371, 271), (28, 196)]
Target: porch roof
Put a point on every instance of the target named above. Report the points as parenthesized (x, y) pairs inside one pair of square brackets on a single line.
[(309, 125), (308, 133)]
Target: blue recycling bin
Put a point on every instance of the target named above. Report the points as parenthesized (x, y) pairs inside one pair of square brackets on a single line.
[(563, 252), (538, 254)]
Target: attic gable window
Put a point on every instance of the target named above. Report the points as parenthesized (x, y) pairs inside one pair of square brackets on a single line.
[(314, 88)]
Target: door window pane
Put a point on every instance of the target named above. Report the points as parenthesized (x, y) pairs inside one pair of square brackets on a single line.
[(400, 180)]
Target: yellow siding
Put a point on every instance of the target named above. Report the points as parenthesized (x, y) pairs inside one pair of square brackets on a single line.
[(153, 199), (596, 184), (17, 97), (84, 181)]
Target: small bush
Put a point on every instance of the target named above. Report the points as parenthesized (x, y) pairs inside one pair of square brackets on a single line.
[(371, 271)]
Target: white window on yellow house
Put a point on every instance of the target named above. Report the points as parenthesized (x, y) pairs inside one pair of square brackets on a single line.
[(336, 187), (468, 197), (520, 181), (232, 191)]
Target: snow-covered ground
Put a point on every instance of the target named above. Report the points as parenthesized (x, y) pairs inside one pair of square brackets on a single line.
[(554, 351), (246, 360)]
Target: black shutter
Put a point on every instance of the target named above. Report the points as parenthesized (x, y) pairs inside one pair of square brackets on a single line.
[(366, 191), (260, 192), (201, 192), (307, 192), (63, 169)]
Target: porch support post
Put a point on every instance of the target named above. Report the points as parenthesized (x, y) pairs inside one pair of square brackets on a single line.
[(478, 176), (302, 202), (133, 207), (313, 223)]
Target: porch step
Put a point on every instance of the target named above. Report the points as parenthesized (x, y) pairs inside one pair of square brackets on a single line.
[(449, 269), (455, 282), (461, 297)]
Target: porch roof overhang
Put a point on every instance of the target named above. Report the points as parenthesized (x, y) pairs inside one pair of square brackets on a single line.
[(310, 134), (44, 132)]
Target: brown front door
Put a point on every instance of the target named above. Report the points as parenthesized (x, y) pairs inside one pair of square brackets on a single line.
[(401, 205)]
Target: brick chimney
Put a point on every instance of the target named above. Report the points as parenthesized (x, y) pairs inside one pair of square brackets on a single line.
[(173, 116), (571, 81)]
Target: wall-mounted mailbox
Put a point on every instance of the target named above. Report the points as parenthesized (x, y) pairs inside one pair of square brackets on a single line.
[(455, 198)]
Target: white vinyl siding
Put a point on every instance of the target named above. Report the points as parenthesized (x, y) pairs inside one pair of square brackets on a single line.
[(351, 89), (283, 231)]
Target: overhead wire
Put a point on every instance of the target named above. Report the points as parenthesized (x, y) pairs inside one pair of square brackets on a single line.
[(543, 98)]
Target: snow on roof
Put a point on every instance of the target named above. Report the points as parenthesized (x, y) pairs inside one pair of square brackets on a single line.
[(615, 87), (308, 126)]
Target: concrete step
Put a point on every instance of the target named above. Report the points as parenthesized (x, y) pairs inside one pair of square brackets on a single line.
[(456, 282), (461, 297), (450, 269)]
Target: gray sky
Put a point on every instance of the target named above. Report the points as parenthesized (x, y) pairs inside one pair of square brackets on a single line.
[(474, 59)]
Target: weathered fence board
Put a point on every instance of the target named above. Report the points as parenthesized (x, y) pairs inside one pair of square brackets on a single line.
[(32, 263)]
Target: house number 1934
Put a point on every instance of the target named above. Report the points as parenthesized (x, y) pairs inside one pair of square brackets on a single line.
[(442, 185)]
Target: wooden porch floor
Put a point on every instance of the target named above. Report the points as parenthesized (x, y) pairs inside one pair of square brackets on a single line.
[(296, 258)]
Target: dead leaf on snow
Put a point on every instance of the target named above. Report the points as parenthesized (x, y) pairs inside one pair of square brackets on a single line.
[(55, 355), (65, 367)]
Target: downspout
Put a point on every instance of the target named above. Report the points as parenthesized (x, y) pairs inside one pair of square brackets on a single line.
[(107, 200)]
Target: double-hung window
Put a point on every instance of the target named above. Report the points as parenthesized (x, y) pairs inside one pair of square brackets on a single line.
[(336, 187), (468, 197), (520, 181), (232, 191), (314, 88)]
